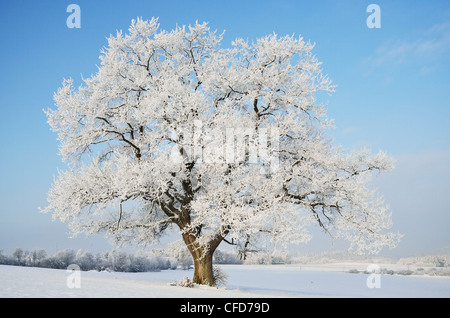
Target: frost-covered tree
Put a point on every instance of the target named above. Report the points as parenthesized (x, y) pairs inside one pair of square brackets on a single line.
[(222, 144), (85, 260), (37, 256), (65, 258), (119, 261), (18, 256), (3, 258)]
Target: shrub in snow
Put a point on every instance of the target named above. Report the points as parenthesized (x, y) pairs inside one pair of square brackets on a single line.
[(185, 282), (220, 277)]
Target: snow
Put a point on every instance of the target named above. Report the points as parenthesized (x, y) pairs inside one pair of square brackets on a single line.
[(244, 281)]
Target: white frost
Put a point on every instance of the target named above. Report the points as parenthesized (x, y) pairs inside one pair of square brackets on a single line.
[(157, 92)]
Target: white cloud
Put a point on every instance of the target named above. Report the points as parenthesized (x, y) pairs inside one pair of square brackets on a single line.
[(427, 48)]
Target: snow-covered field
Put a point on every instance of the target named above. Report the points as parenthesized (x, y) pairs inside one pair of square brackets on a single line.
[(244, 281)]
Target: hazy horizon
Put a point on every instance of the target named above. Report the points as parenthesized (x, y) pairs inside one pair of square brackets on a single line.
[(392, 94)]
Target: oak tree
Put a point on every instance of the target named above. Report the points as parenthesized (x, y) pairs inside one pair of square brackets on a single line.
[(221, 144)]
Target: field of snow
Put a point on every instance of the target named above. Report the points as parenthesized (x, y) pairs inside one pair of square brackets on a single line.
[(244, 281)]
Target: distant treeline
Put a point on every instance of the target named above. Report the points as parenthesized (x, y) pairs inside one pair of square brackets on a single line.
[(117, 261)]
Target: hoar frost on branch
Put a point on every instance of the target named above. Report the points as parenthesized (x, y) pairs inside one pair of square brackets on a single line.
[(139, 136)]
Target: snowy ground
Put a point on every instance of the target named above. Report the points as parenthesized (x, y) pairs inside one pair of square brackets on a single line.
[(244, 281)]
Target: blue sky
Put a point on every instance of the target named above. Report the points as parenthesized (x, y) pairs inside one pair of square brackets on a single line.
[(393, 94)]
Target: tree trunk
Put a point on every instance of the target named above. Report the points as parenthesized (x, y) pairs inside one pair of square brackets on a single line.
[(203, 270), (203, 261)]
